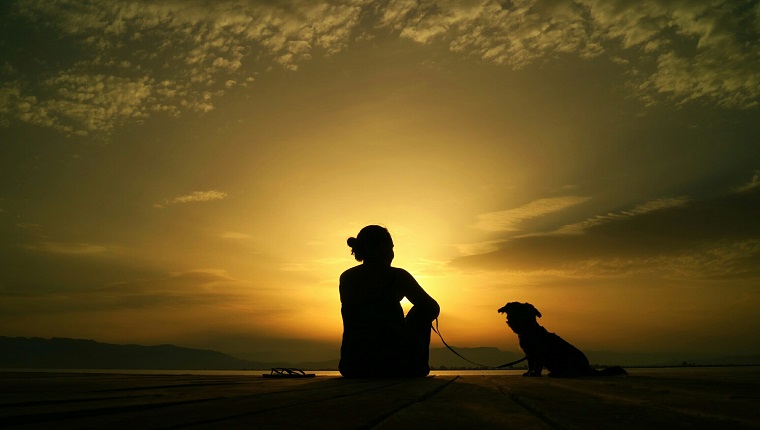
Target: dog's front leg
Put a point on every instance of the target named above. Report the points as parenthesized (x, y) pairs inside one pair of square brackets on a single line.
[(534, 367)]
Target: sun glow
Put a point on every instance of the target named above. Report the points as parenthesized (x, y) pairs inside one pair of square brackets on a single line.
[(204, 189)]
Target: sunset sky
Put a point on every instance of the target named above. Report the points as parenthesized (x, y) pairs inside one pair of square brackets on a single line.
[(188, 172)]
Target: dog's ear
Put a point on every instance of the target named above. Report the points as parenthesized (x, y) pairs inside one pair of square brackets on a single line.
[(535, 311)]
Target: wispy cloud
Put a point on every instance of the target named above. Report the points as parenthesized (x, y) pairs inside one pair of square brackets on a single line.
[(671, 236), (234, 235), (34, 237), (511, 219), (752, 184), (478, 248), (189, 288), (195, 197), (66, 248), (646, 207)]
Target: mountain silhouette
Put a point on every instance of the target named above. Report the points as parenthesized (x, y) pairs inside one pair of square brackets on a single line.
[(62, 353)]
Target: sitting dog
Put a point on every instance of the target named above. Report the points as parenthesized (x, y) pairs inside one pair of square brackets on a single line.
[(544, 349)]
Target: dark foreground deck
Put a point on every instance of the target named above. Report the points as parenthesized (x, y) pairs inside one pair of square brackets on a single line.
[(698, 398)]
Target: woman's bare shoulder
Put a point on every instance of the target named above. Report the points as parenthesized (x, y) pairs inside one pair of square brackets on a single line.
[(361, 271), (356, 268), (403, 274), (400, 271), (352, 272)]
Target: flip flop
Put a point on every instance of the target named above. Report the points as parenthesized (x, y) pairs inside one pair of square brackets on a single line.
[(285, 372)]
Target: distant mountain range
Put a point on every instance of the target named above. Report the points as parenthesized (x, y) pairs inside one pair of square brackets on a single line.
[(62, 353)]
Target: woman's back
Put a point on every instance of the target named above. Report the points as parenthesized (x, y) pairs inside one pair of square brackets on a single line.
[(373, 320)]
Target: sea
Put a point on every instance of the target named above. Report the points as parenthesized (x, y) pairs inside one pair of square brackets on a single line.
[(248, 372), (716, 372)]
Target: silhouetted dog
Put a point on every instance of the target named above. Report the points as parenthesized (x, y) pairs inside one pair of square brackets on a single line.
[(545, 349)]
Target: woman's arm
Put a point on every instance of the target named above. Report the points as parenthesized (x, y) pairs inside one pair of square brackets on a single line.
[(424, 305)]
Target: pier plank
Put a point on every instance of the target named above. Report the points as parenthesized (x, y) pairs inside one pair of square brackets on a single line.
[(469, 402), (376, 400), (648, 398), (637, 402)]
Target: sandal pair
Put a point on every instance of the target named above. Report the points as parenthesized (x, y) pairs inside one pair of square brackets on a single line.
[(287, 372)]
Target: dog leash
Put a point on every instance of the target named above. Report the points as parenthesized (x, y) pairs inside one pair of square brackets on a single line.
[(438, 332)]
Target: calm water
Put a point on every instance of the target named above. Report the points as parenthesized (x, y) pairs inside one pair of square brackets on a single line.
[(727, 373), (247, 372)]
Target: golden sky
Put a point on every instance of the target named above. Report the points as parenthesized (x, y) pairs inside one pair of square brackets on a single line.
[(188, 172)]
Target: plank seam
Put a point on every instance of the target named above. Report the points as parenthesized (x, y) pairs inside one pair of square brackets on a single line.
[(376, 422)]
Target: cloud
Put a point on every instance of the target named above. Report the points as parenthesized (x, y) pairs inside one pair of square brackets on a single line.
[(702, 50), (200, 287), (514, 36), (684, 51), (752, 184), (234, 235), (650, 206), (701, 238), (66, 248), (122, 62), (33, 237), (195, 197), (511, 219), (83, 104), (478, 248)]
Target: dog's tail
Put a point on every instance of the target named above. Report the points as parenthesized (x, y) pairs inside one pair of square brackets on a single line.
[(610, 371)]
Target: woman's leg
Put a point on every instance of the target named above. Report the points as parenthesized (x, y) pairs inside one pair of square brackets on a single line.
[(418, 343)]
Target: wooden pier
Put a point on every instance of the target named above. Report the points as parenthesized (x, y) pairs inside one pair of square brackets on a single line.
[(679, 398)]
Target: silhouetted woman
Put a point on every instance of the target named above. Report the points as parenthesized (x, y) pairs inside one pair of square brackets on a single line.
[(378, 341)]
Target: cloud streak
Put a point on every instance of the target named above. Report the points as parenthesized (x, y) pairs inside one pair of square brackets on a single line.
[(66, 248), (677, 237), (195, 197), (511, 219), (644, 208)]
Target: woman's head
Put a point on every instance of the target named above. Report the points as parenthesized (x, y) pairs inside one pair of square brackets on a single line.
[(373, 244)]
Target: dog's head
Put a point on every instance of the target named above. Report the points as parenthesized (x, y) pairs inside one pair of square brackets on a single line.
[(520, 315)]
